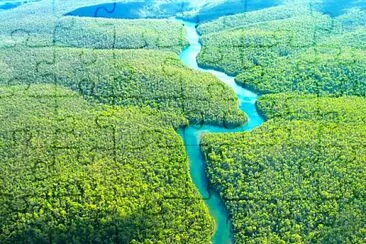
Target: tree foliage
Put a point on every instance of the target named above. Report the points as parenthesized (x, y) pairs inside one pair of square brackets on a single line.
[(246, 19), (291, 106), (299, 177), (302, 50), (127, 77), (318, 71), (72, 172), (120, 34)]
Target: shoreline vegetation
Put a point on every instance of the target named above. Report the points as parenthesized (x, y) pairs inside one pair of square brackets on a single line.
[(127, 77), (298, 177), (78, 172), (191, 136), (90, 150)]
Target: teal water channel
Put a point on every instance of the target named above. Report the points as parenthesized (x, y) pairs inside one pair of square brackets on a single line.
[(191, 137)]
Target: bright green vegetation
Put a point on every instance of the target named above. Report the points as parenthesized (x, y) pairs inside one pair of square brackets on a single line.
[(95, 33), (44, 47), (129, 34), (319, 71), (50, 27), (262, 44), (88, 146), (344, 110), (354, 17), (298, 178), (245, 19), (89, 110), (127, 77), (77, 173), (289, 48), (354, 39)]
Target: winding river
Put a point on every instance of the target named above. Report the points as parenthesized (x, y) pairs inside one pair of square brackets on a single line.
[(191, 137)]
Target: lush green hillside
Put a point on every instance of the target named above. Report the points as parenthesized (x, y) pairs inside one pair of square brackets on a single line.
[(293, 50), (290, 9), (89, 109), (93, 33), (263, 44), (288, 106), (121, 34), (248, 18), (298, 178), (76, 173), (49, 26), (127, 77), (353, 39), (84, 166), (319, 71), (133, 77)]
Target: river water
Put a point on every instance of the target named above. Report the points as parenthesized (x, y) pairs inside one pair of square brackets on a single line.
[(191, 137)]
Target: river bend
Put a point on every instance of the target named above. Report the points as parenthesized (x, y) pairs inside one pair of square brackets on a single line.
[(191, 136)]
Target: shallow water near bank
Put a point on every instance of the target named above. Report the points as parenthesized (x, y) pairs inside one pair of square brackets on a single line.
[(9, 5), (191, 137)]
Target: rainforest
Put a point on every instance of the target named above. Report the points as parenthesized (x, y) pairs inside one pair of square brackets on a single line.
[(160, 121)]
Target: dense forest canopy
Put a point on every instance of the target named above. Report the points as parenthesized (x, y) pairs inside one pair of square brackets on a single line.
[(127, 77), (289, 48), (90, 108), (89, 151), (299, 178), (72, 172)]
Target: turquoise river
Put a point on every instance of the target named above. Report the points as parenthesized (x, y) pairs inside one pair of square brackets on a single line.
[(191, 137)]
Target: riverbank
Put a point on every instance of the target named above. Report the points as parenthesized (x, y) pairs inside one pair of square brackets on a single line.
[(192, 134)]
